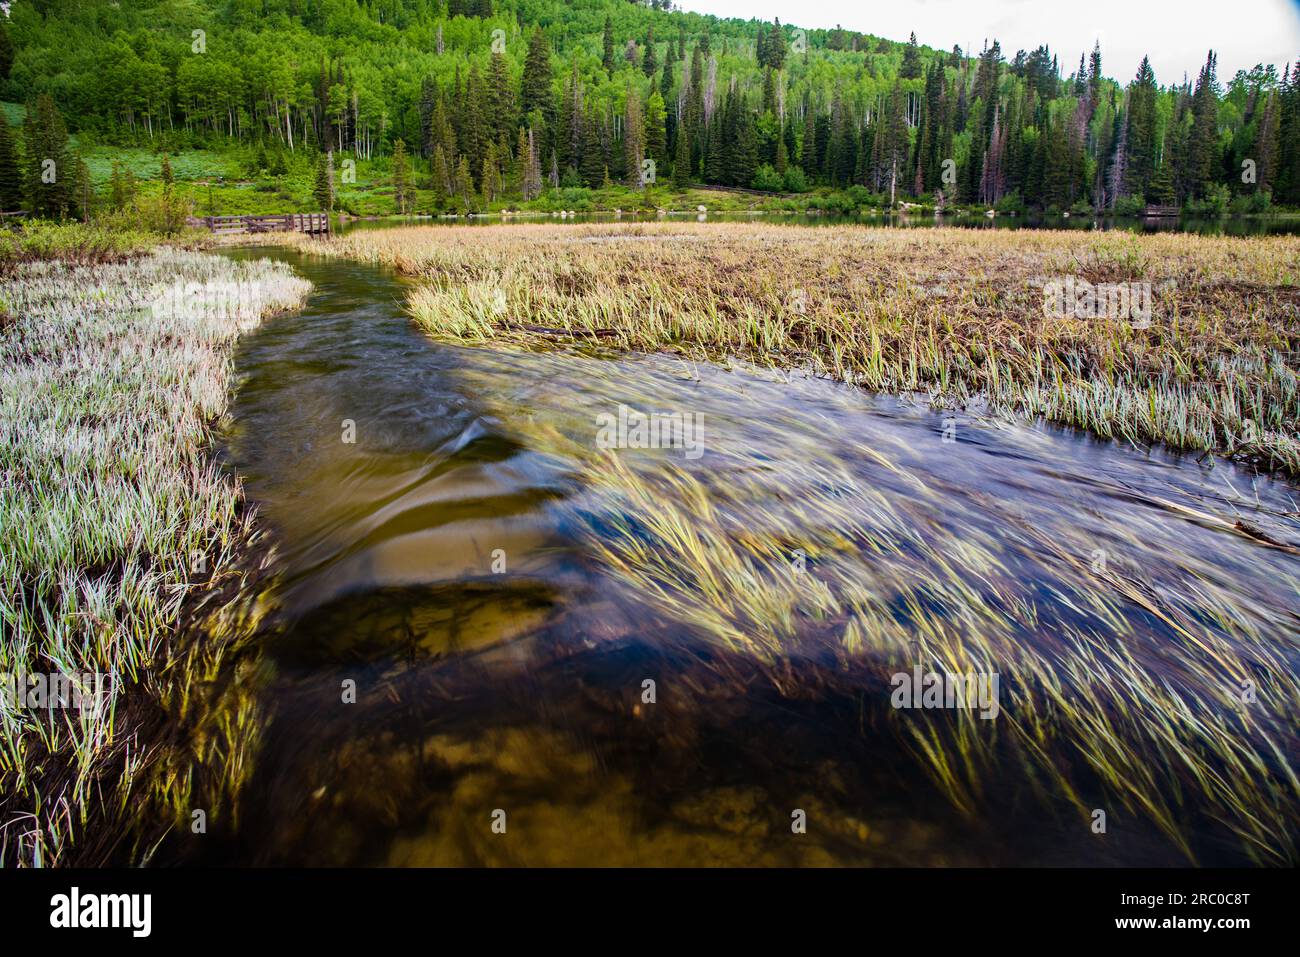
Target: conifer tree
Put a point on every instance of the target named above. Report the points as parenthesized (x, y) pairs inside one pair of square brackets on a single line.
[(324, 190), (49, 171), (656, 134), (649, 65), (607, 46), (633, 138), (535, 86), (11, 180), (401, 178), (682, 161)]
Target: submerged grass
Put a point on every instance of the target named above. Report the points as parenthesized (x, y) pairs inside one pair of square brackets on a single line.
[(1122, 684), (956, 314), (113, 512)]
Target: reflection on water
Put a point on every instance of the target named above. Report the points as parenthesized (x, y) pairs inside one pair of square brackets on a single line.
[(499, 591)]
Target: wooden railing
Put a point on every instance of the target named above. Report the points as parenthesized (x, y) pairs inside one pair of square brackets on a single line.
[(1161, 211), (311, 223)]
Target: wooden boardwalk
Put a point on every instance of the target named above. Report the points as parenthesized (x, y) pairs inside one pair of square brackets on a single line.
[(314, 224)]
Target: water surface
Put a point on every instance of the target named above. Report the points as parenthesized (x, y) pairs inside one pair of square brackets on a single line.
[(499, 590)]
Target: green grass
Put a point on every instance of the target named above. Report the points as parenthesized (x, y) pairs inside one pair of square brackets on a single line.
[(73, 242), (114, 512)]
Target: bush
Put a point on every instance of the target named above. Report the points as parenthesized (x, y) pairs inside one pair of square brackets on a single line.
[(767, 178), (160, 213), (1257, 202), (1130, 206), (1214, 203), (795, 180)]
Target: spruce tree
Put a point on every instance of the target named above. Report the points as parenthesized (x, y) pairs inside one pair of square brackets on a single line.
[(401, 178), (49, 171), (535, 86), (633, 138), (682, 160), (911, 68), (649, 65), (656, 134), (607, 44), (11, 180), (324, 189), (6, 52)]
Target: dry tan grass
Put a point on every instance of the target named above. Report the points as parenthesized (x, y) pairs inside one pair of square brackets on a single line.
[(954, 313)]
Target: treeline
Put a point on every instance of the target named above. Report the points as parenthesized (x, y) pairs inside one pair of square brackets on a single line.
[(485, 100)]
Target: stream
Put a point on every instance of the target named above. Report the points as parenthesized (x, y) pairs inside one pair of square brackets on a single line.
[(495, 642)]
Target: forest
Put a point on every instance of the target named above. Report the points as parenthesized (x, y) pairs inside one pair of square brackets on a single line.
[(474, 104)]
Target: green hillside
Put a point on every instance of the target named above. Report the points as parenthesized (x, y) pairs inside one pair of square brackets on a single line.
[(462, 105)]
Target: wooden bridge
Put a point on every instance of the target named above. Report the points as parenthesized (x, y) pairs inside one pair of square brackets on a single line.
[(311, 223), (1161, 212)]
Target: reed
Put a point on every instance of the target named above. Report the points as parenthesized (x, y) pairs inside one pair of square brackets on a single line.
[(1129, 690), (113, 513), (954, 314)]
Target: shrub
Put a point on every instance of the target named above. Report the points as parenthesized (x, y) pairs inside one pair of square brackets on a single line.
[(767, 178), (795, 180)]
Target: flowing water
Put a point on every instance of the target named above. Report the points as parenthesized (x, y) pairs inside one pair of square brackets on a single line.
[(680, 655)]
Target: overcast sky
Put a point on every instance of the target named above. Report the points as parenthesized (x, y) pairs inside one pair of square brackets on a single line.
[(1176, 34)]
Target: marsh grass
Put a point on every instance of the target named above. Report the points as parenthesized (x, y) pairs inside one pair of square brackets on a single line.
[(76, 243), (1121, 684), (115, 513), (953, 314), (1125, 686)]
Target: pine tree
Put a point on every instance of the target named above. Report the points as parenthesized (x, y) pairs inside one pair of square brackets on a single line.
[(591, 164), (11, 180), (776, 47), (168, 178), (649, 64), (475, 133), (1140, 137), (533, 171), (501, 101), (656, 134), (401, 178), (1203, 145), (911, 68), (607, 46), (464, 187), (682, 161), (490, 177), (6, 52), (324, 191), (808, 146), (440, 174), (49, 172), (116, 187), (535, 86), (633, 138), (1266, 146), (83, 191)]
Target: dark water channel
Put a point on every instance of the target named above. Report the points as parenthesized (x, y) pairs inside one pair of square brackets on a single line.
[(453, 543)]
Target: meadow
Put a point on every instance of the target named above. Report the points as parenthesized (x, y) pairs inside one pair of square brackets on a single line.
[(115, 513)]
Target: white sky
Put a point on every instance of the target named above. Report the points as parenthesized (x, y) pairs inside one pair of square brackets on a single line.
[(1176, 34)]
